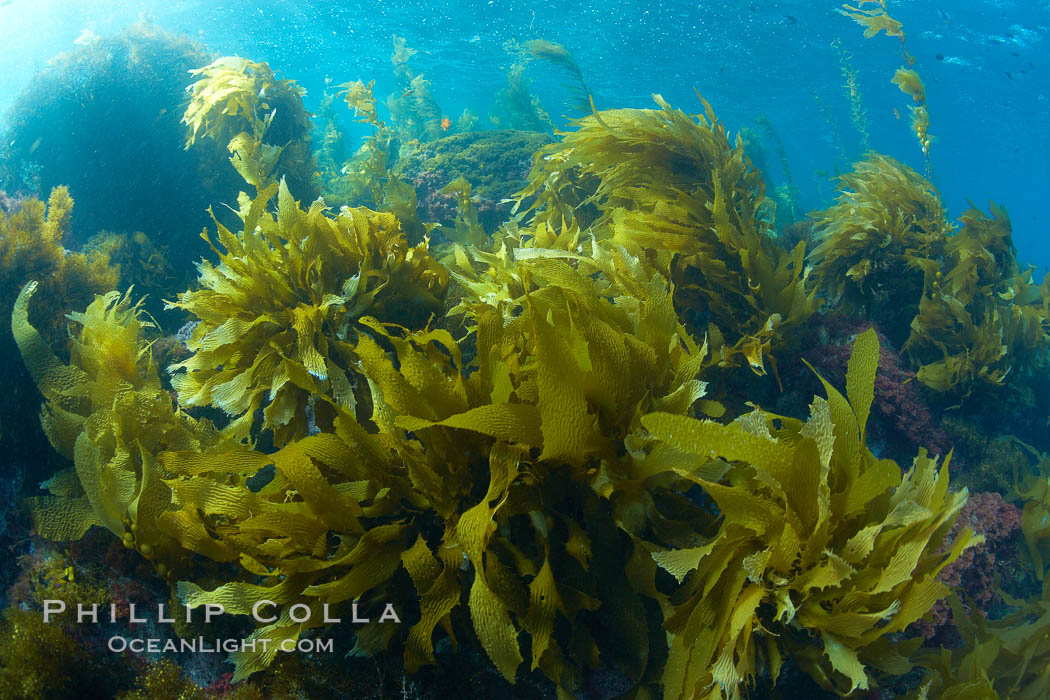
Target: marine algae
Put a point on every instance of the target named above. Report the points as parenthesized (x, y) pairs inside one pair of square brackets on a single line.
[(277, 313), (538, 402), (368, 178), (822, 552), (1004, 658), (526, 468), (983, 319), (675, 191), (32, 246), (260, 117), (875, 245), (876, 20), (414, 112), (108, 413)]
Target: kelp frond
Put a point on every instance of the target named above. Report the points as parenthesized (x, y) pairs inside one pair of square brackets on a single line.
[(108, 412), (278, 311), (823, 552), (676, 192), (886, 230), (260, 117), (32, 247), (984, 318), (873, 19), (536, 420), (560, 56)]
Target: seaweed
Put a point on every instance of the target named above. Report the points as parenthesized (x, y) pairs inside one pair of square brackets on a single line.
[(332, 152), (107, 412), (414, 112), (876, 20), (32, 246), (678, 193), (33, 240), (516, 107), (875, 246), (1004, 657), (860, 115), (261, 119), (983, 319), (278, 312), (823, 551), (560, 56), (369, 179), (469, 480)]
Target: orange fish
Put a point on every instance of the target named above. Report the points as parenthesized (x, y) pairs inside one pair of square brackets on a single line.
[(445, 123)]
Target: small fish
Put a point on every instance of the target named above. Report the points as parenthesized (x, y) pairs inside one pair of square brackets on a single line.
[(445, 123), (896, 113)]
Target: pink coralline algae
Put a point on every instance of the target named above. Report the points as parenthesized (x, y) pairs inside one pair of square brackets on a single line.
[(989, 515), (973, 573), (432, 204), (899, 410)]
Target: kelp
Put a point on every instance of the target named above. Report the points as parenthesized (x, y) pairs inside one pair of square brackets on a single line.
[(886, 249), (823, 550), (1007, 655), (35, 245), (414, 112), (261, 118), (908, 80), (277, 314), (32, 246), (875, 20), (852, 84), (676, 192), (540, 480), (982, 319), (876, 244), (560, 56), (108, 413), (466, 229), (487, 484), (516, 106), (368, 178), (1034, 489), (332, 151), (1004, 658)]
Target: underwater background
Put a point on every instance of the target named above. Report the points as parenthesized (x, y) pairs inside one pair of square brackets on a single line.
[(673, 349)]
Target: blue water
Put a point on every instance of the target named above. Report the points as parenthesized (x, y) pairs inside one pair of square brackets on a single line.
[(985, 65)]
